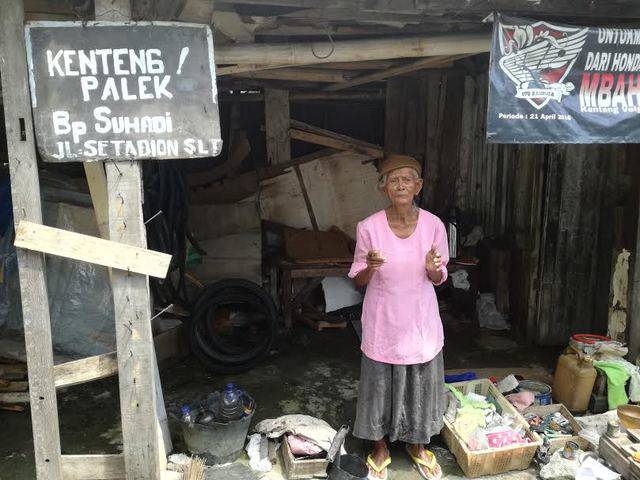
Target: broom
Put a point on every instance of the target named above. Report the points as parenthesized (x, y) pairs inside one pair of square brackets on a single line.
[(194, 470)]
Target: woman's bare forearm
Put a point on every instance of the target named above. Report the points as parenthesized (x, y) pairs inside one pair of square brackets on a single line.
[(435, 277), (363, 278)]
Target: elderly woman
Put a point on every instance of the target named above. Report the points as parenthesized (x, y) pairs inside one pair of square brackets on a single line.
[(401, 253)]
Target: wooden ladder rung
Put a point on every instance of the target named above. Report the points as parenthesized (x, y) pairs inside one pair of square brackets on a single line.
[(101, 467), (93, 467), (86, 369)]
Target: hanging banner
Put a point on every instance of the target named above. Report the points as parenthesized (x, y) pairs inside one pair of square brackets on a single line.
[(123, 90), (552, 83)]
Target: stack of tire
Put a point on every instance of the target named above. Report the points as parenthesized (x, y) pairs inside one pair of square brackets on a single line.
[(215, 351)]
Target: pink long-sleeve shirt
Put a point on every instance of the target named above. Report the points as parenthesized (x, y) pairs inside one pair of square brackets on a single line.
[(400, 318)]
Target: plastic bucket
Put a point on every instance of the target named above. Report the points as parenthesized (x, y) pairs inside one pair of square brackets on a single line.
[(217, 443)]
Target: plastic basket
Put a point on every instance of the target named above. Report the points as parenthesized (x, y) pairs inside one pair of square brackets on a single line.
[(475, 463)]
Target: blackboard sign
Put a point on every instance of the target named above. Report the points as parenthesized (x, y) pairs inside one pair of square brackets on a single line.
[(123, 90), (554, 83)]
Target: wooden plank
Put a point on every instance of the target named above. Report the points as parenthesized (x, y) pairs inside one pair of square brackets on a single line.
[(252, 67), (17, 397), (466, 143), (86, 369), (276, 112), (15, 387), (63, 243), (335, 143), (143, 444), (305, 195), (97, 181), (231, 25), (395, 71), (25, 192), (305, 127), (353, 50), (136, 356), (300, 74), (394, 118), (93, 467)]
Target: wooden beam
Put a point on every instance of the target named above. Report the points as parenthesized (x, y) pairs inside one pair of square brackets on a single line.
[(16, 397), (395, 71), (634, 299), (234, 69), (63, 243), (349, 11), (300, 74), (25, 192), (136, 355), (231, 25), (14, 387), (310, 96), (333, 143), (353, 50), (320, 136), (86, 369), (97, 181), (276, 112), (143, 441), (93, 467), (253, 67)]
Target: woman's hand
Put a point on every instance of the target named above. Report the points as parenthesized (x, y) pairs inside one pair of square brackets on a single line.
[(433, 263), (375, 260)]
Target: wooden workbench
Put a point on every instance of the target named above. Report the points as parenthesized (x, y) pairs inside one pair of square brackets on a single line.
[(313, 274)]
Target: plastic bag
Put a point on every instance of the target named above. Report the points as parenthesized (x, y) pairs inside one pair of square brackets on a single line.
[(80, 298), (488, 314), (253, 450)]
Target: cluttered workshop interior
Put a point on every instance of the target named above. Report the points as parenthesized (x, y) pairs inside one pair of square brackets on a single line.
[(343, 239)]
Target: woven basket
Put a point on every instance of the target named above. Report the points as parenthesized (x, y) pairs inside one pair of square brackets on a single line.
[(475, 463)]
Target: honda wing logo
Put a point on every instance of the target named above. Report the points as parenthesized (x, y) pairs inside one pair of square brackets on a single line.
[(538, 57)]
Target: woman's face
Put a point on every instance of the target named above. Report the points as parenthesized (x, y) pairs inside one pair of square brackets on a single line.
[(402, 185)]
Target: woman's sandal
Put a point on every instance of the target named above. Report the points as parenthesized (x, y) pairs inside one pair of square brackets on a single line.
[(372, 466), (430, 465)]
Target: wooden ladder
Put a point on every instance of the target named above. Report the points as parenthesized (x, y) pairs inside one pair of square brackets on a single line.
[(145, 430)]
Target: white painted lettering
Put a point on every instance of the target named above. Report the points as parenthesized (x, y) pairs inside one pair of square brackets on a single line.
[(68, 62), (53, 63), (110, 90), (142, 88), (118, 62), (86, 85), (100, 114), (161, 87), (154, 61)]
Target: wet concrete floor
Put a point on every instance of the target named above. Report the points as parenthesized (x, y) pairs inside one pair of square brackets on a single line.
[(312, 373)]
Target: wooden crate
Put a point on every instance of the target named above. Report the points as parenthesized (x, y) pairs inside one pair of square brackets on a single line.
[(618, 451), (558, 443), (476, 463), (297, 469)]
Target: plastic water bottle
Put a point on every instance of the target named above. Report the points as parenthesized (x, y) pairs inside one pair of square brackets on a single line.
[(231, 404), (187, 415)]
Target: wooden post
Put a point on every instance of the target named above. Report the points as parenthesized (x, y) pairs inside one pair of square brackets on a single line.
[(25, 191), (276, 115), (633, 321), (132, 307)]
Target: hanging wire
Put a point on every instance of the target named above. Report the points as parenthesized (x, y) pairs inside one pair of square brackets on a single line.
[(333, 45)]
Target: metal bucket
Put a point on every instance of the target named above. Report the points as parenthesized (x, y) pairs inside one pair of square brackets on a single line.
[(345, 467), (541, 391), (217, 443)]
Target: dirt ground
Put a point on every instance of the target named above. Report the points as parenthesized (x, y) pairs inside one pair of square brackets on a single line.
[(314, 373)]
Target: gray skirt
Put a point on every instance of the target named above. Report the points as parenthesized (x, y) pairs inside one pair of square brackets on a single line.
[(403, 402)]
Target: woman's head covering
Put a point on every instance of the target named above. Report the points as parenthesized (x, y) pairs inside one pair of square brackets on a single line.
[(394, 161)]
